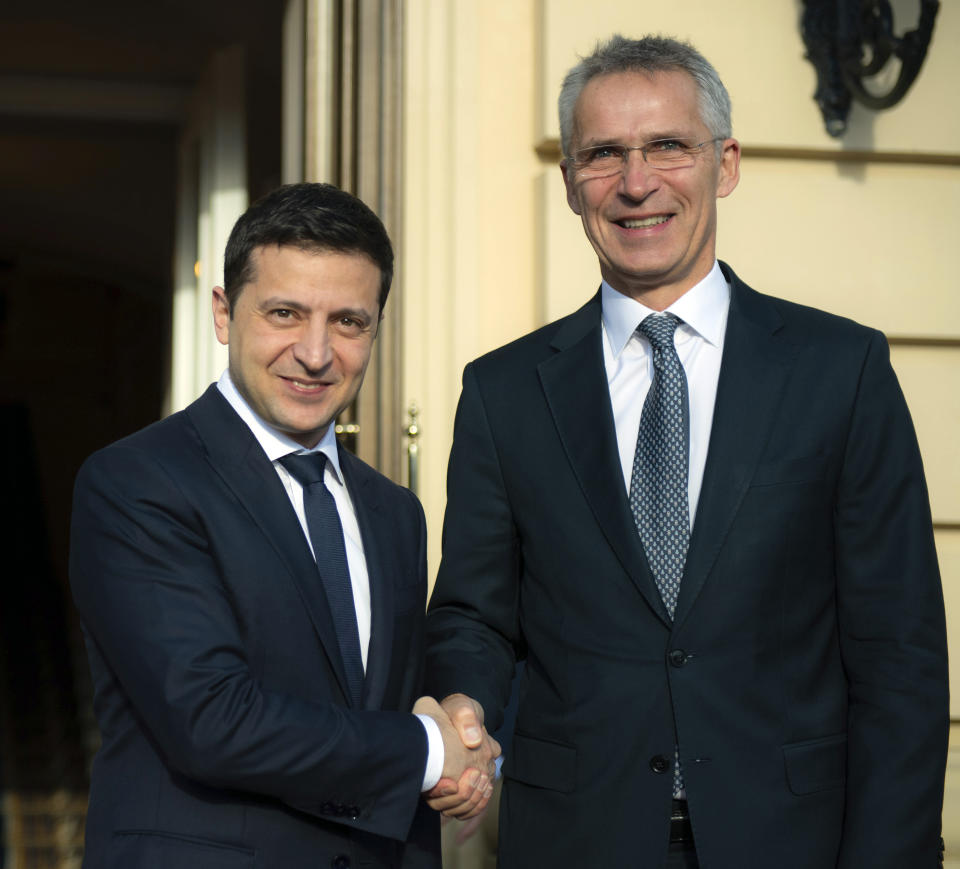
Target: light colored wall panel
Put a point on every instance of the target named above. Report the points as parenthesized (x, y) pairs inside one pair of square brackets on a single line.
[(930, 378), (467, 253), (569, 272), (427, 256), (757, 48), (877, 243), (948, 550)]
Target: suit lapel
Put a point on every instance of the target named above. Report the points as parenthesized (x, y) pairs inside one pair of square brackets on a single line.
[(239, 460), (753, 372), (380, 575), (575, 384)]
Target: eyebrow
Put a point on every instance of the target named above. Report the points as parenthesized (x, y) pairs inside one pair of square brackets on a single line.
[(280, 302), (361, 313)]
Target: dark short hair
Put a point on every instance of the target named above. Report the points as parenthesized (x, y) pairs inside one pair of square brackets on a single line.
[(312, 217)]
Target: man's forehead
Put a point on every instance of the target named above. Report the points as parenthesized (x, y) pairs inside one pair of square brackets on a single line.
[(268, 263), (275, 250), (636, 80), (672, 121)]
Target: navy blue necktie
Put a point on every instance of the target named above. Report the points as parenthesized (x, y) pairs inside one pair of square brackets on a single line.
[(326, 535), (658, 484)]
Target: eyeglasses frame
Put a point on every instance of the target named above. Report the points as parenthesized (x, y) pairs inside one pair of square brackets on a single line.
[(693, 151)]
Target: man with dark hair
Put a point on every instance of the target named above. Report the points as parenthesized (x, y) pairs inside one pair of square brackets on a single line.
[(709, 539), (252, 595)]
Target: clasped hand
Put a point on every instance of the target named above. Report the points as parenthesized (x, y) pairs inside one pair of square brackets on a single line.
[(469, 752)]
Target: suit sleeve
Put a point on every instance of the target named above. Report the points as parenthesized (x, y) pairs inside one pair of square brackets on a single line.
[(893, 634), (164, 638), (473, 629)]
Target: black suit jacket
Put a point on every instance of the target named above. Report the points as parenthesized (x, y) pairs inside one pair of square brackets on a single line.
[(228, 735), (804, 675)]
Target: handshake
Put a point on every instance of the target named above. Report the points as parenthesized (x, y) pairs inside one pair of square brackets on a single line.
[(469, 752)]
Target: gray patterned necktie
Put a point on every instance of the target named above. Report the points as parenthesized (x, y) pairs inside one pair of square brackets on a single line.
[(658, 484)]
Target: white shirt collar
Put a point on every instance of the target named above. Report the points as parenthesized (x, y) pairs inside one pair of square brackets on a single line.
[(275, 443), (702, 309)]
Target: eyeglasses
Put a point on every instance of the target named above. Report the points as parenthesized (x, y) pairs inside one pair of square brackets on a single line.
[(599, 161)]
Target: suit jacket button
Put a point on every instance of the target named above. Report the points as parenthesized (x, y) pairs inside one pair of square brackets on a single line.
[(353, 812), (659, 764), (326, 808), (341, 861), (677, 657)]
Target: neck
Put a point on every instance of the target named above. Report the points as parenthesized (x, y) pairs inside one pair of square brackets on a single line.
[(657, 297)]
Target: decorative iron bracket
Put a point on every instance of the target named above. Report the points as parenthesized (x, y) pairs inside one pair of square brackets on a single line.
[(848, 41)]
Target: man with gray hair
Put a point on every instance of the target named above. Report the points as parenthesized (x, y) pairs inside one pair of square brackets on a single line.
[(709, 538)]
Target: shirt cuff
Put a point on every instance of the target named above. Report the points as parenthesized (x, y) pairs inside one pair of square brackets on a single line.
[(434, 770)]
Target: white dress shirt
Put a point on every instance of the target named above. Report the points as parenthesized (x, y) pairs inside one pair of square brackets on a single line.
[(699, 338), (276, 445)]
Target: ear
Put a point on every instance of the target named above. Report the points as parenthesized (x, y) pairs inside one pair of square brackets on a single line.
[(729, 168), (221, 315), (572, 200)]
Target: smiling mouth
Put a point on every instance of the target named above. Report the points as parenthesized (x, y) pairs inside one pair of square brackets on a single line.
[(306, 387), (643, 222)]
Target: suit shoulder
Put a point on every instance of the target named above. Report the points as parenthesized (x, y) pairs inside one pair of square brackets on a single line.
[(818, 320), (800, 323), (172, 443), (169, 433), (826, 336)]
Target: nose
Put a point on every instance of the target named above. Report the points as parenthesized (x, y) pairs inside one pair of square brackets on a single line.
[(637, 178), (313, 349)]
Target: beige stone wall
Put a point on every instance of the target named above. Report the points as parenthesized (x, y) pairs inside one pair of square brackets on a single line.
[(470, 218)]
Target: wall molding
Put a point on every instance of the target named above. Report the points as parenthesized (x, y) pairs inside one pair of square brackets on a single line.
[(834, 155), (922, 341)]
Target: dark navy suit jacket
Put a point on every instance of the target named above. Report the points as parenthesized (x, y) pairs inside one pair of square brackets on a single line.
[(805, 673), (228, 737)]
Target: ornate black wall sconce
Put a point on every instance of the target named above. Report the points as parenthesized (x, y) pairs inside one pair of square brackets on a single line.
[(850, 40)]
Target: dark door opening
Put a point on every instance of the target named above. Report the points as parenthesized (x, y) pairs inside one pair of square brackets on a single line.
[(87, 224)]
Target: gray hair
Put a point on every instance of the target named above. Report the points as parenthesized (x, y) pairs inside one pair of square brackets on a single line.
[(650, 54)]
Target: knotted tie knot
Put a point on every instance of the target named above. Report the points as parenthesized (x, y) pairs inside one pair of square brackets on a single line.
[(305, 468), (659, 330)]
